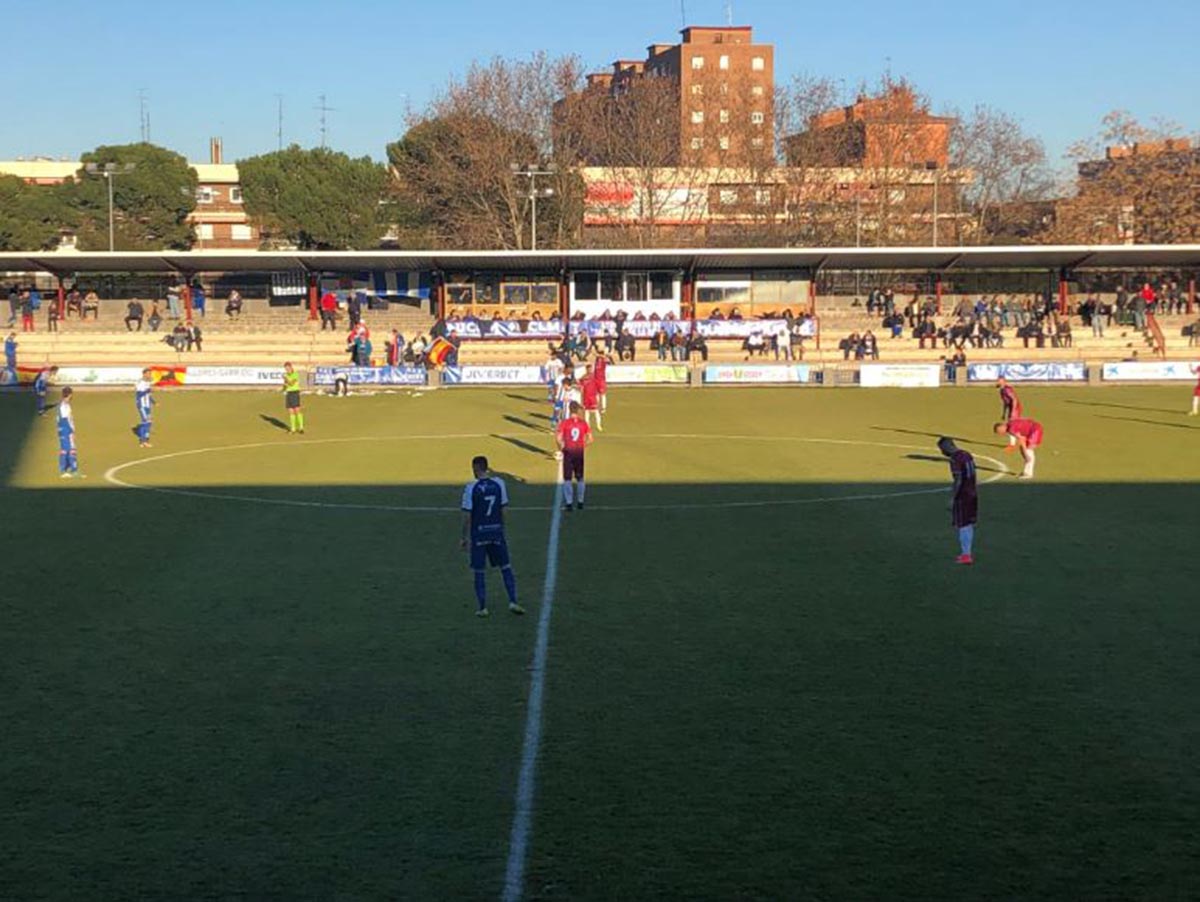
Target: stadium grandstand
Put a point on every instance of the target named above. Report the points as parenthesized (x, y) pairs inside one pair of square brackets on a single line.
[(503, 307)]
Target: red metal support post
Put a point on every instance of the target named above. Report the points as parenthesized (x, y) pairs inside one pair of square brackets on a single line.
[(313, 290), (61, 300), (1191, 301), (186, 294)]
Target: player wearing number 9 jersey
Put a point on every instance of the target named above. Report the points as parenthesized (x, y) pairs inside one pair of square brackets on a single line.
[(572, 437), (483, 503)]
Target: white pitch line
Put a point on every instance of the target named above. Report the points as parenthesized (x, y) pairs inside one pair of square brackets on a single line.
[(111, 475), (522, 824)]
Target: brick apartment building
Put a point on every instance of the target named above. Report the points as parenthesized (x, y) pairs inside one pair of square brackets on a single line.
[(892, 130), (219, 220), (723, 89)]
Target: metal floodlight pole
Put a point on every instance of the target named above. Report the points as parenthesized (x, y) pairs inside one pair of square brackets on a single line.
[(933, 166), (108, 172), (532, 174)]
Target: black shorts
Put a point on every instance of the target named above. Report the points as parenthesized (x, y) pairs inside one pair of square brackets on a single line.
[(291, 400), (572, 464), (964, 511)]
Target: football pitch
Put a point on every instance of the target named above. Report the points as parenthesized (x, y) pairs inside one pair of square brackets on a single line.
[(244, 664)]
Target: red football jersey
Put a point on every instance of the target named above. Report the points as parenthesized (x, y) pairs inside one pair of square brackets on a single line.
[(574, 433), (590, 389), (1024, 428)]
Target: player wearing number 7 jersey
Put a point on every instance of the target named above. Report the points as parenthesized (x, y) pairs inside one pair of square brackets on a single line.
[(483, 503), (572, 437)]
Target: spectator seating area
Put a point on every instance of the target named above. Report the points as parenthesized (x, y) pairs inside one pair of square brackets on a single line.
[(268, 335), (261, 335)]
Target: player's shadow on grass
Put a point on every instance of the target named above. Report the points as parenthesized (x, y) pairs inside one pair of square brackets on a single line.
[(524, 446), (1103, 416), (525, 398), (519, 422), (936, 435), (273, 421), (937, 459), (1121, 406), (538, 416)]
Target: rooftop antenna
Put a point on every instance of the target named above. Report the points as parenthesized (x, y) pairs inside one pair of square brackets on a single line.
[(321, 105), (683, 13), (729, 13), (279, 120)]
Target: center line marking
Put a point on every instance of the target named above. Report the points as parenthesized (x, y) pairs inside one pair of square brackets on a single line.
[(518, 841)]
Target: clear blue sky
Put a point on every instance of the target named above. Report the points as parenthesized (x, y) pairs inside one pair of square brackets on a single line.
[(73, 70)]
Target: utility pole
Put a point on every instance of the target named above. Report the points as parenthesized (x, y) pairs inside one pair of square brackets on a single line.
[(532, 173)]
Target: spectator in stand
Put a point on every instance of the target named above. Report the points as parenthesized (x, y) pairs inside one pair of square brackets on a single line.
[(717, 314), (91, 304), (14, 305), (696, 344), (953, 362), (195, 337), (178, 338), (783, 343), (755, 344), (1194, 334), (74, 303), (1063, 333), (328, 311), (678, 346), (925, 331), (173, 304), (134, 314), (395, 349), (870, 345), (1138, 307), (199, 300), (52, 316), (354, 309), (155, 319), (26, 312), (735, 314), (894, 322), (233, 304), (419, 347), (849, 345), (1121, 303), (661, 344), (626, 347)]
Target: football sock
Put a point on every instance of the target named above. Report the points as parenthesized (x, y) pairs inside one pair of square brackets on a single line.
[(579, 491), (599, 425), (300, 420), (73, 462), (1012, 439), (62, 462), (1030, 461), (510, 584), (481, 588), (966, 537), (568, 493), (292, 421)]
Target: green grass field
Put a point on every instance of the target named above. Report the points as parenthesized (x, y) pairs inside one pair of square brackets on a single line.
[(766, 677)]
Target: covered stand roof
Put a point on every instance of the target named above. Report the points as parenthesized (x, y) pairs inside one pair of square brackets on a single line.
[(928, 259)]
